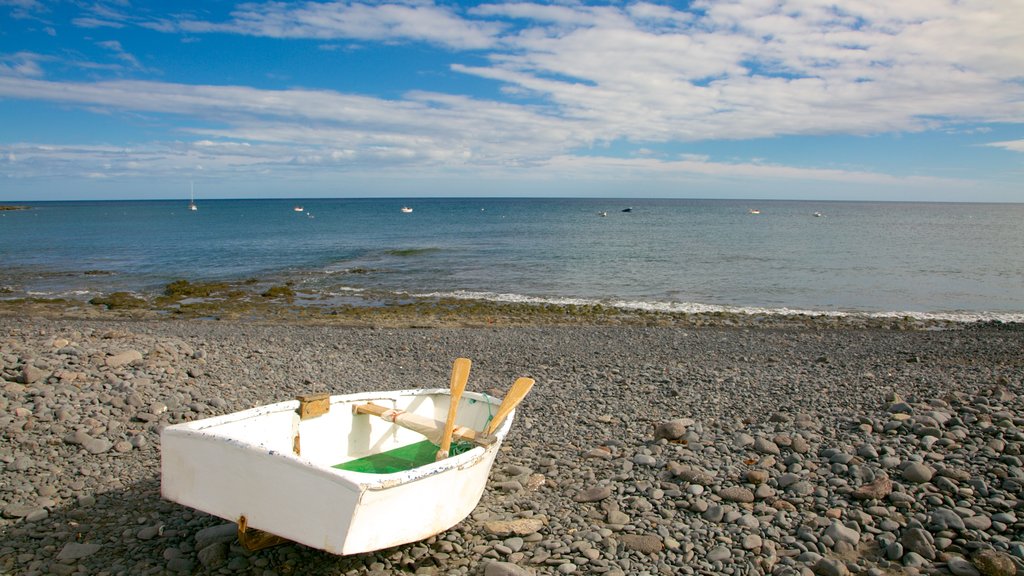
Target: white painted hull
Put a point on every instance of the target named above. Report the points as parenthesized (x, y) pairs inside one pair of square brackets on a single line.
[(243, 464)]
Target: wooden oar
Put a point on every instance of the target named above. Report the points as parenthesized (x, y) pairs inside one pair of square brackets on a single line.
[(460, 374), (515, 395)]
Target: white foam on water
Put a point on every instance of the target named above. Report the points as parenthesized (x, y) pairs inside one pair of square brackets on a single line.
[(698, 308)]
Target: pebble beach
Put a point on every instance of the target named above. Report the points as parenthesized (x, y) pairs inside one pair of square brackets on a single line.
[(643, 449)]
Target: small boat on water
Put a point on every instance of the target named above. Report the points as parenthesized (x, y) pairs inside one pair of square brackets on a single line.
[(818, 214), (755, 211), (192, 198), (346, 473), (630, 209), (602, 213), (299, 209), (406, 209)]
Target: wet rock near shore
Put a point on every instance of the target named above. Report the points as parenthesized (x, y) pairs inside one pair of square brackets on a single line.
[(642, 450)]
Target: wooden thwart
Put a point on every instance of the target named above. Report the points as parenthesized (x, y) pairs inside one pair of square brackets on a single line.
[(421, 424)]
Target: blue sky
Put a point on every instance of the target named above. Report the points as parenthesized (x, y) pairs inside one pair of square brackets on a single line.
[(798, 99)]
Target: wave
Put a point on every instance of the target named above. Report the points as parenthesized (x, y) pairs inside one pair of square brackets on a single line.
[(698, 308), (406, 252)]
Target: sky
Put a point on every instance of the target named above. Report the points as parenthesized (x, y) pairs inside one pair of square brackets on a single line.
[(909, 100)]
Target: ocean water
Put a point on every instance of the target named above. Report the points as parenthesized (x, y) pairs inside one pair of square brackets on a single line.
[(960, 261)]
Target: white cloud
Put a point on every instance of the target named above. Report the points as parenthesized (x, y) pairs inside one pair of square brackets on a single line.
[(22, 64), (1011, 145), (388, 21)]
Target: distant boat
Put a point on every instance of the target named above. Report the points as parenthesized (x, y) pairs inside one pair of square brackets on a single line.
[(602, 213), (192, 197), (406, 209), (630, 209), (818, 214), (755, 211), (298, 209)]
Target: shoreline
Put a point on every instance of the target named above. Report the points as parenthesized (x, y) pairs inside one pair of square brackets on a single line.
[(269, 302), (644, 447)]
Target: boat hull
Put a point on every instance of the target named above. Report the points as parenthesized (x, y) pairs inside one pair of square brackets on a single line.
[(245, 465)]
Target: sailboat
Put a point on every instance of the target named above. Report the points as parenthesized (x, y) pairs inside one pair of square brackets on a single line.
[(192, 197)]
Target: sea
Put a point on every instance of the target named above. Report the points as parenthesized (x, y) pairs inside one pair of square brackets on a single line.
[(961, 262)]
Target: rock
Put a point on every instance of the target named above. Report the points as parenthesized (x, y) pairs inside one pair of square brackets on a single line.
[(644, 460), (617, 517), (840, 533), (800, 445), (876, 490), (642, 543), (691, 474), (978, 522), (519, 526), (505, 569), (945, 519), (672, 429), (220, 533), (31, 374), (920, 541), (736, 494), (961, 567), (751, 542), (214, 555), (73, 551), (594, 494), (96, 445), (801, 488), (757, 476), (918, 473), (718, 554), (766, 446), (122, 358), (993, 563), (830, 567)]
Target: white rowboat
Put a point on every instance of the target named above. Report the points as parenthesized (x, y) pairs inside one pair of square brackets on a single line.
[(273, 468)]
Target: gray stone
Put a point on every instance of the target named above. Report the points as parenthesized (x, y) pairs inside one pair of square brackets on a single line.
[(961, 567), (505, 569), (220, 533), (840, 533), (736, 494), (945, 519), (993, 563), (642, 543), (920, 541), (73, 551), (830, 567), (672, 429), (918, 473), (594, 494), (718, 554), (122, 358), (214, 555), (765, 446)]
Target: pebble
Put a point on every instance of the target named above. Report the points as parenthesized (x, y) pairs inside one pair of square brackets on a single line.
[(654, 489)]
